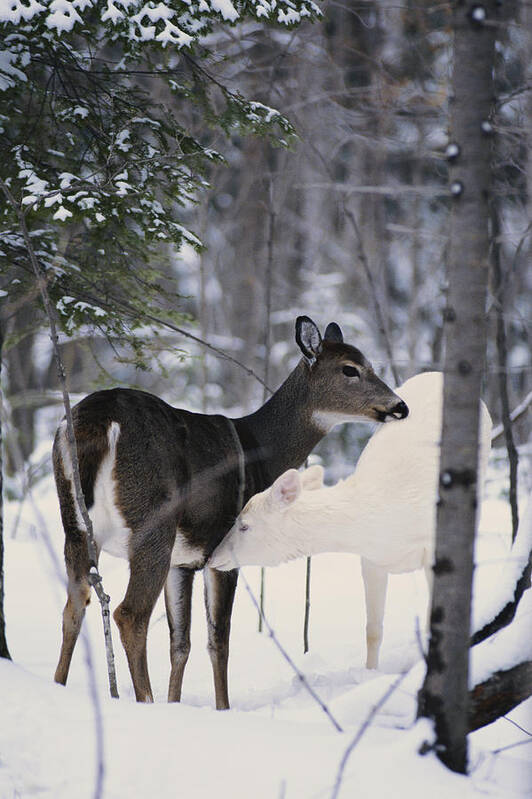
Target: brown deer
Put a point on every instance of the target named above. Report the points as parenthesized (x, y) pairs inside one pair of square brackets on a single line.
[(163, 486)]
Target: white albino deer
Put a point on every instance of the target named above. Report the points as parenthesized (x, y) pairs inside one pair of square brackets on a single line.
[(163, 486), (385, 511)]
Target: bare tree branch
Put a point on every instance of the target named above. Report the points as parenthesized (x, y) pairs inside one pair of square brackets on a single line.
[(267, 343), (516, 414), (522, 550), (502, 357), (4, 650), (381, 320), (94, 576)]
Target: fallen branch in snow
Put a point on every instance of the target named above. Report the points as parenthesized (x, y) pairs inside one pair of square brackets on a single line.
[(500, 693)]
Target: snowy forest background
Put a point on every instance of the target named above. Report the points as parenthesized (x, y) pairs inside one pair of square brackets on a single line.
[(349, 222)]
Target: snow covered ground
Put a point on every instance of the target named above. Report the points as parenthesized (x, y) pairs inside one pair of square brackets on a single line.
[(275, 741)]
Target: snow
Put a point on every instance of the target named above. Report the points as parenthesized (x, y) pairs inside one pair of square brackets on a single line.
[(504, 572), (62, 214), (9, 73), (63, 15), (509, 647), (226, 9), (275, 741)]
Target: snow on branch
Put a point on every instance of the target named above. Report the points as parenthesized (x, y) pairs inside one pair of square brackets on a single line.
[(507, 648), (168, 22), (511, 585)]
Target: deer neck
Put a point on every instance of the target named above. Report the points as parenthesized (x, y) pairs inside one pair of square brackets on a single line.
[(283, 428), (325, 520)]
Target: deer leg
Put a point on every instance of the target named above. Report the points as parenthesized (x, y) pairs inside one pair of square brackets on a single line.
[(178, 599), (375, 584), (78, 597), (146, 580), (219, 595)]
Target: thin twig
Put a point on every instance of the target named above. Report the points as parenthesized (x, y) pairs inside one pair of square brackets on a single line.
[(527, 732), (516, 414), (306, 619), (136, 314), (267, 345), (502, 357), (381, 321), (4, 649), (509, 746), (301, 677), (361, 731), (93, 576), (362, 254)]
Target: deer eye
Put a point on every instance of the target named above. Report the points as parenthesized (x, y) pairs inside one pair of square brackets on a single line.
[(350, 371), (243, 527)]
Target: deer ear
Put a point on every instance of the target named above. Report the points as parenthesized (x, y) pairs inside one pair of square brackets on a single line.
[(286, 488), (333, 333), (312, 478), (308, 338)]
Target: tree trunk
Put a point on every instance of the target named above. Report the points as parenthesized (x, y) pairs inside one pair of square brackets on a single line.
[(21, 372), (4, 651), (444, 695)]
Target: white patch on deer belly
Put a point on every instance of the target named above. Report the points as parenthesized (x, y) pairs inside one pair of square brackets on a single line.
[(183, 554), (110, 530)]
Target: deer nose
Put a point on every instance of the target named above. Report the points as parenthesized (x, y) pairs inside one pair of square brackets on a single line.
[(399, 411)]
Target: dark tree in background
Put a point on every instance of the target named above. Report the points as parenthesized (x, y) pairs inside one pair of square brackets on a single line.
[(444, 696)]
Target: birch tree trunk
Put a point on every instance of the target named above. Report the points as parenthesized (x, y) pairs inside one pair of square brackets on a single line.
[(444, 696)]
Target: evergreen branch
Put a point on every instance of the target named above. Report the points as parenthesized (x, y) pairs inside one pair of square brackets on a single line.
[(137, 314)]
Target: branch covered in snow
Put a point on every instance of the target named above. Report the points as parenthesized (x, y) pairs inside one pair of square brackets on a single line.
[(105, 166), (513, 582), (170, 22)]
